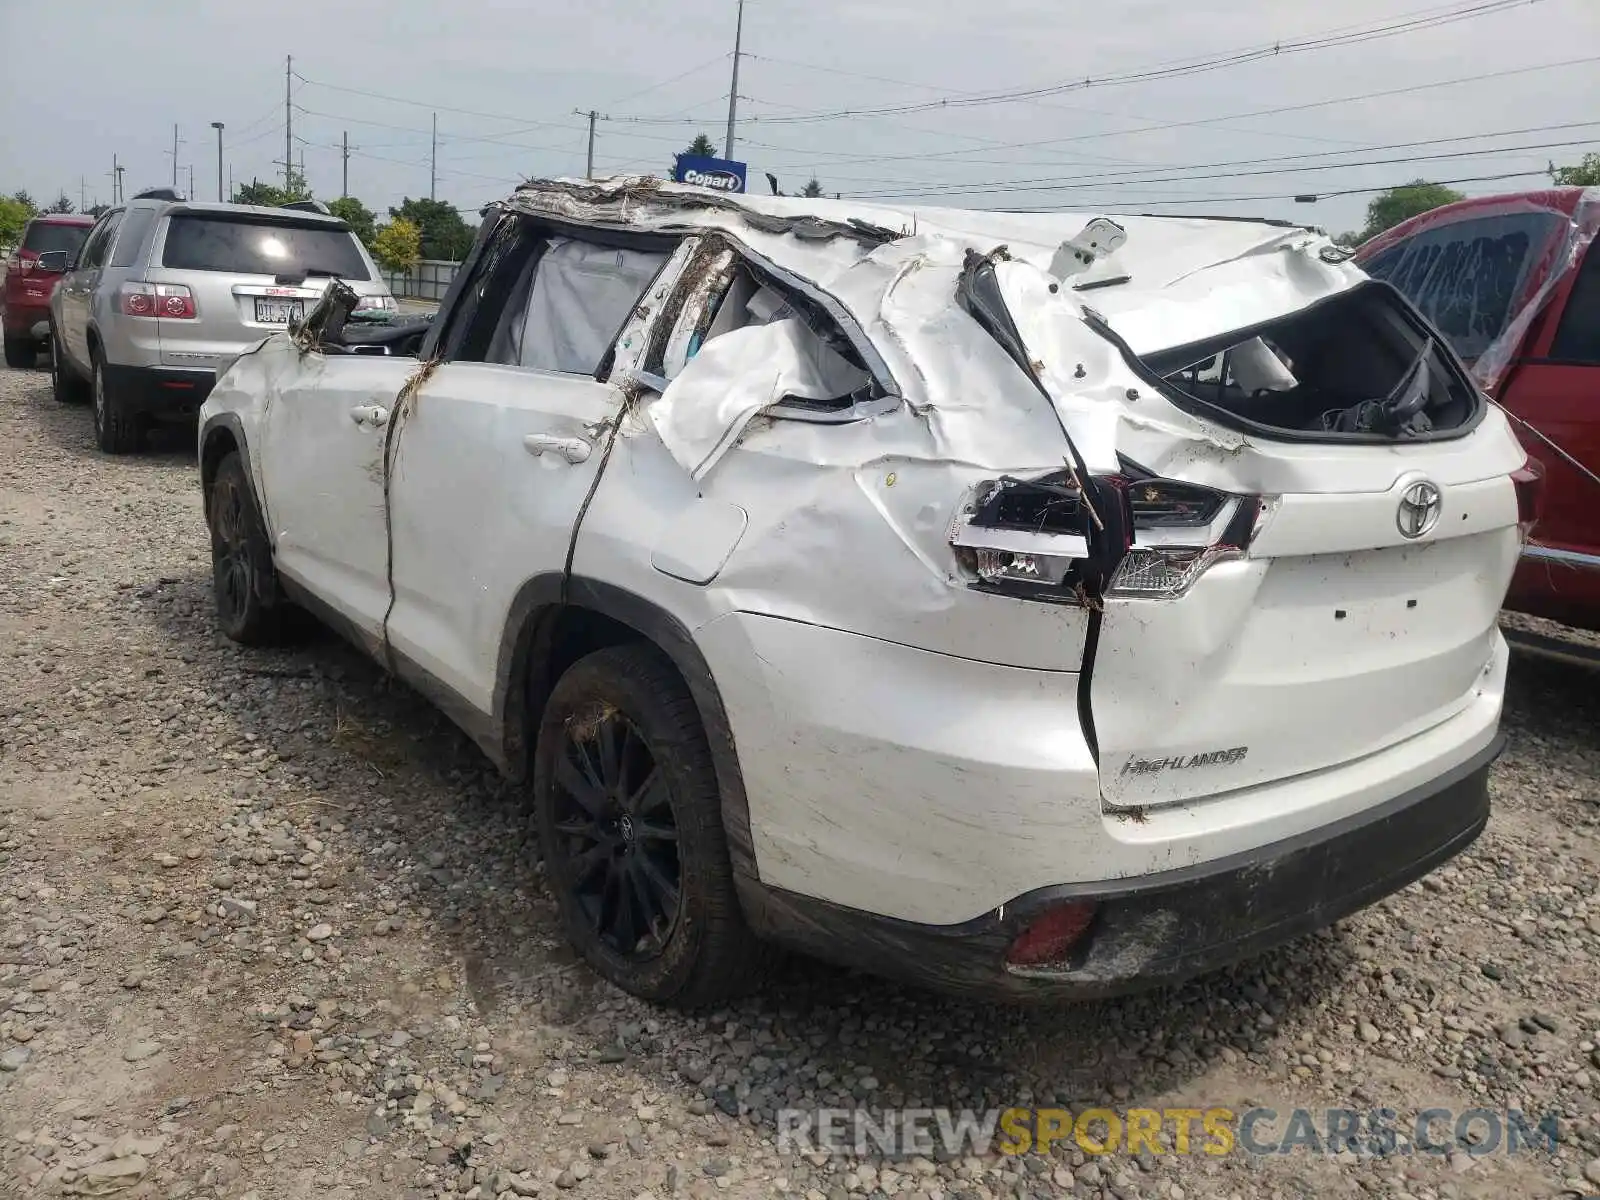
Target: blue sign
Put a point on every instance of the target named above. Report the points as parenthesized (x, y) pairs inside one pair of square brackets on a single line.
[(718, 174)]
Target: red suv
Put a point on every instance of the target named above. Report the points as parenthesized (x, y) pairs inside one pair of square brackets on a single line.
[(27, 289), (1513, 283)]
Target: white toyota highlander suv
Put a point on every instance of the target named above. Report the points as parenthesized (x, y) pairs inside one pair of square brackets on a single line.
[(1029, 606)]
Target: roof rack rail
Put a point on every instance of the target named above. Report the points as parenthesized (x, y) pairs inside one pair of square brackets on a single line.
[(159, 193)]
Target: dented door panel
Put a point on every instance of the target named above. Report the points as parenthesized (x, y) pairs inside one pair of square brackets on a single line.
[(322, 429)]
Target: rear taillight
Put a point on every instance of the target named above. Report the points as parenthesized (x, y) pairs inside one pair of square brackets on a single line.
[(168, 301), (19, 264), (1043, 539), (1528, 480)]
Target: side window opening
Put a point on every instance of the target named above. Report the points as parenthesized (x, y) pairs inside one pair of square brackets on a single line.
[(741, 297), (565, 310), (1578, 337)]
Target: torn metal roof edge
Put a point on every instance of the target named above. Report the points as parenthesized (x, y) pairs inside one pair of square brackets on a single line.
[(623, 200), (616, 201)]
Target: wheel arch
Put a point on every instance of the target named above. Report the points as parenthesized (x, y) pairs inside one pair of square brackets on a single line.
[(222, 433), (555, 621)]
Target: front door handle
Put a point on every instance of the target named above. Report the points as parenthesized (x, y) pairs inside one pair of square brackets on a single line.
[(574, 450), (370, 414)]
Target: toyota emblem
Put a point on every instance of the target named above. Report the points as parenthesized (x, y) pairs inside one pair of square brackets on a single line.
[(1420, 506)]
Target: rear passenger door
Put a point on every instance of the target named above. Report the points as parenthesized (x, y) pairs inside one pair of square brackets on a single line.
[(77, 289), (504, 442)]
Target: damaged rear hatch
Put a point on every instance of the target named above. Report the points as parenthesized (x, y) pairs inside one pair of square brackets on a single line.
[(1296, 515)]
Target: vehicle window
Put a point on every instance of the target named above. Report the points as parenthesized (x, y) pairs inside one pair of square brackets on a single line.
[(569, 304), (743, 298), (43, 238), (1465, 276), (130, 238), (477, 310), (94, 249), (1578, 338), (248, 246)]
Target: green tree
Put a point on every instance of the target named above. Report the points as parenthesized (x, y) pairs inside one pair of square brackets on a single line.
[(397, 245), (701, 147), (444, 234), (21, 197), (1402, 203), (813, 188), (273, 195), (356, 215), (1585, 174), (60, 204), (13, 216)]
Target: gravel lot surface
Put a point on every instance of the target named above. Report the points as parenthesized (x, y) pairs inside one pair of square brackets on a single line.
[(270, 928)]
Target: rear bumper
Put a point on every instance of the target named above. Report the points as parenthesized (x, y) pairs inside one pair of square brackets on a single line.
[(1161, 928), (159, 391)]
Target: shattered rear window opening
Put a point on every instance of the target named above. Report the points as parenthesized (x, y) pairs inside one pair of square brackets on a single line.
[(1358, 364)]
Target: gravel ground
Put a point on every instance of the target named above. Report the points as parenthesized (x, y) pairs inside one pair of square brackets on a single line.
[(270, 928)]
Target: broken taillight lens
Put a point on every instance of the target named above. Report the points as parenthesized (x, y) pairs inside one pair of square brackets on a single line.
[(1043, 539)]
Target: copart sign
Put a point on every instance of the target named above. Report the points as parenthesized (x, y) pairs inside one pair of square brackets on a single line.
[(718, 174)]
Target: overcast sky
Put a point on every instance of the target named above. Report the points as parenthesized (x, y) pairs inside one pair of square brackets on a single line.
[(85, 80)]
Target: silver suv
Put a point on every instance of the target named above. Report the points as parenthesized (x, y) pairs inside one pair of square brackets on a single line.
[(163, 291)]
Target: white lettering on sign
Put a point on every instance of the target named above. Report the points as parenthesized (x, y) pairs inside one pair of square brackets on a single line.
[(721, 181)]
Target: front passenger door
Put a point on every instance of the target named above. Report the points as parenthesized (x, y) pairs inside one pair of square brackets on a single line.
[(321, 451)]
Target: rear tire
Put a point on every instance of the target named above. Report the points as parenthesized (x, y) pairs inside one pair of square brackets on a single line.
[(244, 583), (64, 382), (116, 430), (629, 817), (21, 353)]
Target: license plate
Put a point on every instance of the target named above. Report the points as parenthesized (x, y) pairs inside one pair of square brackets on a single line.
[(279, 312)]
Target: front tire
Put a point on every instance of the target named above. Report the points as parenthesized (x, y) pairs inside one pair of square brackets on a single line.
[(116, 430), (21, 353), (244, 583), (629, 817)]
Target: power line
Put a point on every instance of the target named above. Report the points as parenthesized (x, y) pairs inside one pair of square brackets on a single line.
[(1241, 57), (711, 62), (1264, 112), (1361, 191), (1072, 108), (445, 108), (1023, 185)]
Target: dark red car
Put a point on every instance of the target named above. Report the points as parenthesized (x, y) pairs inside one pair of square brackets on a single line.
[(26, 296), (1513, 282)]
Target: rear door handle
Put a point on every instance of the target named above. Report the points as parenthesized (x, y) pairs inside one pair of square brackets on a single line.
[(574, 450), (370, 414)]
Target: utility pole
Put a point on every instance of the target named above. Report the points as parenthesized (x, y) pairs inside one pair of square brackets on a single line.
[(288, 119), (588, 171), (116, 180), (344, 180), (83, 194), (174, 157), (733, 91), (190, 193), (217, 125), (433, 165)]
